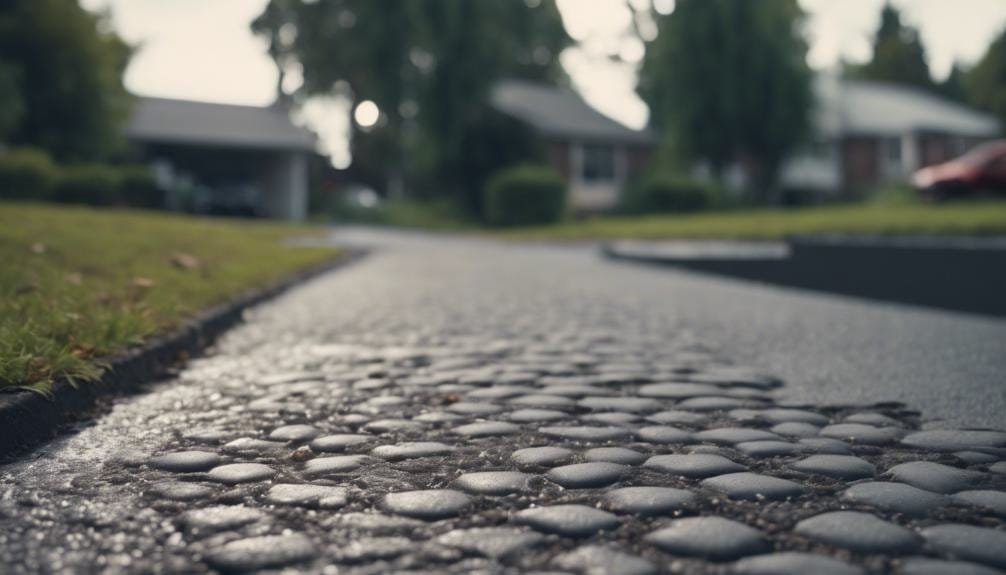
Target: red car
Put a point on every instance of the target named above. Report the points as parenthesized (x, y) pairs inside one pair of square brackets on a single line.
[(983, 169)]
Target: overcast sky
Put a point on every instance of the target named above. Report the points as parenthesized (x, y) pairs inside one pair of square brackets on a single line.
[(203, 49)]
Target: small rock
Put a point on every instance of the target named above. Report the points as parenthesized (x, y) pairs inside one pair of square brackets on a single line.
[(753, 487), (492, 542), (792, 563), (979, 544), (713, 538), (895, 497), (340, 441), (620, 455), (859, 532), (411, 450), (324, 496), (493, 482), (241, 473), (694, 465), (429, 504), (649, 500), (264, 552), (584, 475), (568, 520), (185, 461), (603, 560), (845, 467), (935, 476), (294, 433), (542, 456)]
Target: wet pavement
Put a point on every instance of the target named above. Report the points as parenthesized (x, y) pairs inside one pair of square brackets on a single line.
[(449, 407)]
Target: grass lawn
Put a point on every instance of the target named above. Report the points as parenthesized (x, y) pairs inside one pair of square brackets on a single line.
[(971, 218), (78, 284)]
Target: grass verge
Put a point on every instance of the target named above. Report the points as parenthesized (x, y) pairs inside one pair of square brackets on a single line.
[(971, 218), (79, 284)]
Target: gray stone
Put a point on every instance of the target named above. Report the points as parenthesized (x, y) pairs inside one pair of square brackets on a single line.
[(543, 456), (568, 520), (694, 465), (649, 500), (373, 549), (474, 408), (786, 415), (897, 497), (734, 435), (663, 434), (487, 429), (588, 434), (994, 501), (767, 448), (610, 417), (859, 532), (241, 473), (336, 464), (927, 566), (979, 544), (999, 468), (796, 429), (438, 417), (676, 417), (619, 455), (792, 563), (876, 419), (543, 401), (532, 415), (955, 439), (753, 487), (429, 504), (339, 442), (500, 392), (630, 404), (411, 450), (603, 560), (583, 475), (264, 552), (713, 403), (493, 482), (180, 490), (220, 518), (975, 457), (862, 433), (492, 542), (253, 445), (185, 461), (713, 538), (845, 467), (324, 496), (935, 476), (394, 426), (678, 390), (294, 433)]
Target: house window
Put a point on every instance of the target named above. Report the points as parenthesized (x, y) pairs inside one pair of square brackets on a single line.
[(598, 163), (892, 151)]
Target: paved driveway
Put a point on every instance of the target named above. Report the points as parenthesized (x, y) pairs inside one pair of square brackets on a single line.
[(448, 406)]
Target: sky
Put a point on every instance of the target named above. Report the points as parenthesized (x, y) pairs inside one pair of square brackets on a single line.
[(204, 50)]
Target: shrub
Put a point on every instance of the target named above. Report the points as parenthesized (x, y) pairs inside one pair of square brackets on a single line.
[(524, 195), (662, 194), (138, 188), (26, 173), (92, 184)]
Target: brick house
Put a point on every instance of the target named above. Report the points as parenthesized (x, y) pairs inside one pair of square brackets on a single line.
[(597, 155), (871, 133)]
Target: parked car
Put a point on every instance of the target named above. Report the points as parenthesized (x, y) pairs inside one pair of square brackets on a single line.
[(983, 169)]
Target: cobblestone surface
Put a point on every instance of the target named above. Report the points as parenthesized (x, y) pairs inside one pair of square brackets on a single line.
[(438, 412)]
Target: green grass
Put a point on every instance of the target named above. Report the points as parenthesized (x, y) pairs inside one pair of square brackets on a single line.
[(433, 215), (79, 284), (886, 218)]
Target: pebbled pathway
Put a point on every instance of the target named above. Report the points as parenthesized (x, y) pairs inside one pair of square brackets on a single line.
[(431, 412)]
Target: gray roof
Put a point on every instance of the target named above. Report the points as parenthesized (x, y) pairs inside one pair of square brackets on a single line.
[(162, 120), (560, 113), (877, 108)]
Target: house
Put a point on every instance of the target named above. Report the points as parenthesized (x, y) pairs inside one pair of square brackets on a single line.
[(871, 133), (217, 158), (596, 154)]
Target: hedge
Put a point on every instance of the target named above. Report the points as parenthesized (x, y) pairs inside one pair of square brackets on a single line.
[(668, 194), (524, 195), (26, 174)]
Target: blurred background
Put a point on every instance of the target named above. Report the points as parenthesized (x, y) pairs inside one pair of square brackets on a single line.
[(462, 114)]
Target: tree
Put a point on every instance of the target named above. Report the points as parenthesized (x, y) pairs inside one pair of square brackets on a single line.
[(66, 67), (427, 64), (986, 82), (952, 87), (898, 53), (727, 80)]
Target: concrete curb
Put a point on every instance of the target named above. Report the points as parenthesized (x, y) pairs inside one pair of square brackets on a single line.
[(28, 419)]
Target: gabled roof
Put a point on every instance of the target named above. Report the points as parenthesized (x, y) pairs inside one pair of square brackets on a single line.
[(561, 113), (163, 120), (878, 108)]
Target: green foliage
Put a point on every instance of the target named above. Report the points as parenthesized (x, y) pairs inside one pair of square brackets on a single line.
[(138, 188), (666, 193), (898, 53), (525, 195), (69, 78), (986, 82), (89, 184), (727, 80), (26, 173), (11, 101), (429, 66), (79, 284)]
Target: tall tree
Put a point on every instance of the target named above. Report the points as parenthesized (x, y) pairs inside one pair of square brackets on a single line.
[(986, 82), (728, 80), (67, 67), (427, 64), (952, 86), (898, 53)]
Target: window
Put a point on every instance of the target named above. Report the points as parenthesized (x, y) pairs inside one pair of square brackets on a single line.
[(598, 163), (892, 151)]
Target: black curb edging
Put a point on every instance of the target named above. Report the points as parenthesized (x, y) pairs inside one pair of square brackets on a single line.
[(28, 419)]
